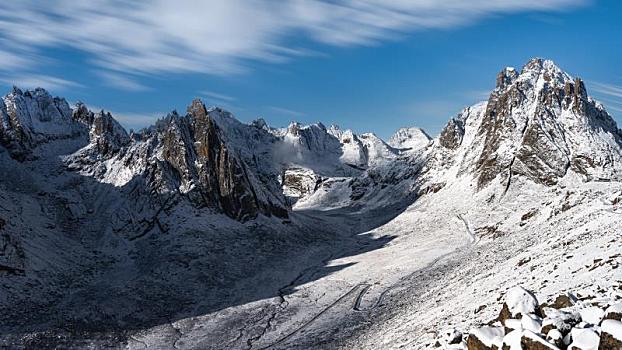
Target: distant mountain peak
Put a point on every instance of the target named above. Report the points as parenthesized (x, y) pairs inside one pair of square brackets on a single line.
[(411, 138)]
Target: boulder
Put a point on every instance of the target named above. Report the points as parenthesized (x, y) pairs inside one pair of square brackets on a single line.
[(562, 301), (560, 320), (486, 338), (532, 341), (518, 302), (592, 315), (452, 336), (614, 312), (610, 335), (584, 339)]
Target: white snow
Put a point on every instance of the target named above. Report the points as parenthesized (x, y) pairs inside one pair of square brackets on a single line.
[(513, 339), (409, 139), (531, 323), (592, 315), (489, 336), (584, 339), (513, 323), (521, 301), (612, 327)]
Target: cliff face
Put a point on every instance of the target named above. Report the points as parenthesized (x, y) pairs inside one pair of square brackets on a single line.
[(187, 155)]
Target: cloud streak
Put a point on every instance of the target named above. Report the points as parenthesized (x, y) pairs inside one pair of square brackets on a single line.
[(121, 81), (607, 89), (286, 111), (219, 37), (217, 96), (31, 81), (610, 95)]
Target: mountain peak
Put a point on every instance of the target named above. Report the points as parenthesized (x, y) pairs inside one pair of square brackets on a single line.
[(412, 138), (550, 72), (197, 109), (541, 123)]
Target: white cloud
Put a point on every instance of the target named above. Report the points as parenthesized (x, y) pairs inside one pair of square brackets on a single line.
[(608, 94), (217, 37), (286, 111), (217, 96), (607, 89), (31, 81), (615, 108), (121, 81), (10, 60)]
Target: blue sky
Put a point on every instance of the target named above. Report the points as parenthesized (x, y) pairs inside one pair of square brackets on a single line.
[(369, 65)]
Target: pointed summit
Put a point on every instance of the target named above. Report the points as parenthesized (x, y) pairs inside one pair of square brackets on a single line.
[(540, 124), (197, 109)]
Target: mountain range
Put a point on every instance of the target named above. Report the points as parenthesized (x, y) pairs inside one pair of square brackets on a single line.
[(203, 232)]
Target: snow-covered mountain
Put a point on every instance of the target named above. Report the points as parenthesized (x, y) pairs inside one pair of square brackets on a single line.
[(410, 139), (205, 232)]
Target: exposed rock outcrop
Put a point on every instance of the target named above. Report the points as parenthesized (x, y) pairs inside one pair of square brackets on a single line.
[(452, 134)]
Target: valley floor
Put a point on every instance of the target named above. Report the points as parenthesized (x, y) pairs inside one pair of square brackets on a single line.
[(371, 280), (445, 266)]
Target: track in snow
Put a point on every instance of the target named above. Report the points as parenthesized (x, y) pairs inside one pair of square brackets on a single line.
[(308, 323), (468, 229)]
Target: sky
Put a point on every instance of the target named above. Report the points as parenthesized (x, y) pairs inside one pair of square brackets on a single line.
[(367, 65)]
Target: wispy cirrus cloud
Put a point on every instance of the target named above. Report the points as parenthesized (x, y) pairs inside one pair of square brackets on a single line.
[(609, 94), (217, 96), (607, 89), (286, 111), (218, 37), (31, 81), (121, 81)]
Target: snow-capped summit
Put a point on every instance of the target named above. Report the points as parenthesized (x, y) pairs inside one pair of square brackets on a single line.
[(411, 139), (33, 118), (540, 124)]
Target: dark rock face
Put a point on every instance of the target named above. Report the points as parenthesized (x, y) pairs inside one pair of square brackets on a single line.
[(562, 301), (475, 344), (12, 255), (198, 162), (530, 344), (106, 133), (452, 134), (221, 175), (609, 342), (496, 127)]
